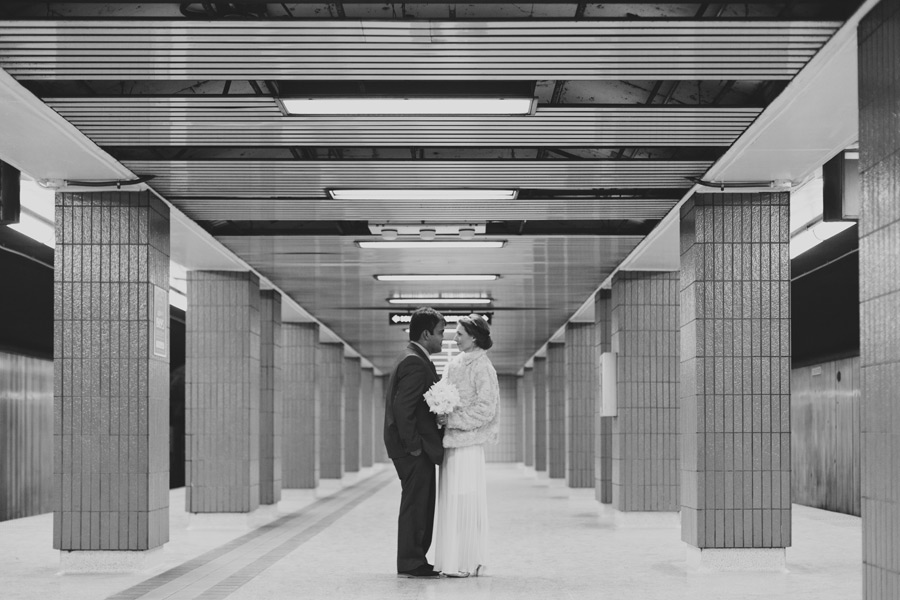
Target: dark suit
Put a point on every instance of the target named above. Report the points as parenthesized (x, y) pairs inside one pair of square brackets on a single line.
[(409, 426)]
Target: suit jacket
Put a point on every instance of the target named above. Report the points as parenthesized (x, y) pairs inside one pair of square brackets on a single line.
[(408, 424)]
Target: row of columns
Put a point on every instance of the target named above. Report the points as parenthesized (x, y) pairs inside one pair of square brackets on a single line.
[(702, 391), (269, 406)]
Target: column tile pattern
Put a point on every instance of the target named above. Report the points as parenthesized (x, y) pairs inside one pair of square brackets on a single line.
[(556, 410), (528, 406), (541, 429), (644, 334), (879, 246), (222, 389), (330, 403), (735, 369), (505, 448), (300, 454), (366, 416), (603, 425), (271, 400), (111, 372), (352, 374), (581, 401), (378, 386)]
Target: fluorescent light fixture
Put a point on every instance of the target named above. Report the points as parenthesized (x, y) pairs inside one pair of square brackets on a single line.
[(423, 194), (436, 301), (437, 277), (399, 105), (435, 245), (37, 217), (35, 228), (177, 299), (815, 234)]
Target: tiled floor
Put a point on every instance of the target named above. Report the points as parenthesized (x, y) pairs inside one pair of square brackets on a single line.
[(544, 546)]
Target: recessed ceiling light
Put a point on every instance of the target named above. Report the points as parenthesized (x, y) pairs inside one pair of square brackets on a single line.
[(435, 245), (398, 105), (437, 301), (423, 194), (437, 277)]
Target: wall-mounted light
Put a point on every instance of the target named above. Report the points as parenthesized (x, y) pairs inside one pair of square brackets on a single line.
[(437, 277), (815, 234), (434, 245)]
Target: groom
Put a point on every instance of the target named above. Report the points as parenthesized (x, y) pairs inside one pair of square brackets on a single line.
[(414, 441)]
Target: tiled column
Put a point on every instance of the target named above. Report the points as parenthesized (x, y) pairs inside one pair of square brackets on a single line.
[(528, 393), (222, 390), (879, 231), (378, 386), (603, 425), (735, 366), (351, 414), (581, 401), (505, 448), (366, 418), (330, 402), (556, 410), (540, 415), (270, 397), (111, 430), (645, 430), (300, 454)]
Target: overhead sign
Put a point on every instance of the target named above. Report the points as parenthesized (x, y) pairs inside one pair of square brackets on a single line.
[(450, 316)]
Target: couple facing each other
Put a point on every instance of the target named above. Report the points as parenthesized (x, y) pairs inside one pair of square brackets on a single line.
[(417, 440)]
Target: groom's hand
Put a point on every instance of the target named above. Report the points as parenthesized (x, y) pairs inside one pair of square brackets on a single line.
[(416, 452)]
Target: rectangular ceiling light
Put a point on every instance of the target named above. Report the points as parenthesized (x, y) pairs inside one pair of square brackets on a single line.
[(439, 301), (400, 105), (431, 245), (437, 277), (423, 194)]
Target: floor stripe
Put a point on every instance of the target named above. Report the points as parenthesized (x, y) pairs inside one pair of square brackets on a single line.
[(219, 572)]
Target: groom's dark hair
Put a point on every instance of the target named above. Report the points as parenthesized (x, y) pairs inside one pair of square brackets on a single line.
[(425, 318)]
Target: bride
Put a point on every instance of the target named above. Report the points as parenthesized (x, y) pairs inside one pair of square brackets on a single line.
[(462, 526)]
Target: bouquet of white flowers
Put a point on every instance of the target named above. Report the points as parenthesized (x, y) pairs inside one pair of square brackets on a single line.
[(442, 398)]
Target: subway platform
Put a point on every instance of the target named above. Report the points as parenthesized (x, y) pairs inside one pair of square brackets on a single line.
[(547, 542)]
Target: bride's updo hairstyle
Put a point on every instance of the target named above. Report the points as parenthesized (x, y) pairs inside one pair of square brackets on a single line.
[(477, 327)]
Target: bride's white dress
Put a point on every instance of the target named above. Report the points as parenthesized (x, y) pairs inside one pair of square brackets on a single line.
[(462, 519), (461, 536)]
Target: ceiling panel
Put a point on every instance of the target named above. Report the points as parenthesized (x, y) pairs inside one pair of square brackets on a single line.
[(409, 49), (543, 281), (258, 121), (310, 179)]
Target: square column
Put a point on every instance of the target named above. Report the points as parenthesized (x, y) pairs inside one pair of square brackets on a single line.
[(540, 414), (581, 401), (556, 410), (879, 296), (330, 402), (735, 373), (528, 401), (270, 397), (366, 416), (352, 375), (111, 370), (505, 448), (378, 386), (644, 336), (603, 425), (300, 449), (222, 389)]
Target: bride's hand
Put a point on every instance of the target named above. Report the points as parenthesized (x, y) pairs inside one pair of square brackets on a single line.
[(442, 420)]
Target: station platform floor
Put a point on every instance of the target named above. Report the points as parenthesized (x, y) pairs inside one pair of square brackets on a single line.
[(546, 543)]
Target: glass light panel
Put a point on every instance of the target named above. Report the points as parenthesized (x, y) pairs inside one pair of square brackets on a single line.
[(369, 105), (423, 194), (436, 277), (435, 245), (815, 235), (440, 301)]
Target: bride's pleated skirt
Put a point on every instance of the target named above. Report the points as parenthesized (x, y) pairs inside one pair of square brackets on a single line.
[(461, 540)]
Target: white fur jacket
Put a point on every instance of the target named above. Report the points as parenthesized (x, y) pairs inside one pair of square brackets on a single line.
[(477, 419)]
